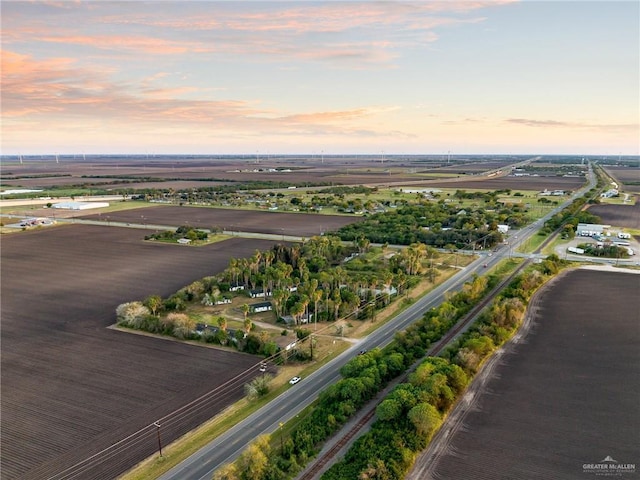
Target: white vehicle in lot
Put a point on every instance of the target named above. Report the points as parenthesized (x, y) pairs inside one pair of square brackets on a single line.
[(294, 380)]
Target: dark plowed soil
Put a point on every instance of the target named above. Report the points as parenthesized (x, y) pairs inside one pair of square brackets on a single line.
[(70, 385), (567, 396), (516, 183), (618, 215), (304, 225)]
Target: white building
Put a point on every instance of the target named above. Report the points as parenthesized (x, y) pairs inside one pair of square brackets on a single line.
[(79, 205), (590, 229)]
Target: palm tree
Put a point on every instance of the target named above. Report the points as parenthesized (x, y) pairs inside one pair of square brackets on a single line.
[(247, 326), (222, 323), (296, 311), (280, 297), (245, 269), (337, 301), (268, 256), (316, 296), (340, 274), (304, 299), (245, 310), (255, 261), (387, 280)]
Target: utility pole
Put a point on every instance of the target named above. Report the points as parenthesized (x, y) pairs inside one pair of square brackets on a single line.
[(157, 424), (281, 440)]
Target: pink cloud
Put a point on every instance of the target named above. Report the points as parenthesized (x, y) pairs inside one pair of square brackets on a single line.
[(326, 117), (139, 44), (300, 31), (30, 86), (574, 125), (36, 91)]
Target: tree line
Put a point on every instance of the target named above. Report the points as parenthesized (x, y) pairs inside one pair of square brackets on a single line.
[(435, 224)]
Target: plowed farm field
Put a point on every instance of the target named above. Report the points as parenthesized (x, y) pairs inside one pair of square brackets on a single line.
[(71, 386), (564, 397), (514, 183), (618, 215), (629, 176), (277, 223)]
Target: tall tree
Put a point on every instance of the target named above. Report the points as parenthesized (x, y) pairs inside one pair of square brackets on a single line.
[(425, 418), (153, 303), (296, 311), (222, 323), (316, 296), (254, 460), (248, 325), (245, 310), (228, 471)]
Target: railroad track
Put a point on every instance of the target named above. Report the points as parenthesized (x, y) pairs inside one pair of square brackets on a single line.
[(317, 467)]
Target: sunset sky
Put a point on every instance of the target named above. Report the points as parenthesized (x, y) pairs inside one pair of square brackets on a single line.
[(267, 77)]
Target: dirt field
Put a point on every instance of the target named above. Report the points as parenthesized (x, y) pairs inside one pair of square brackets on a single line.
[(477, 166), (70, 385), (516, 183), (305, 225), (567, 395), (625, 175), (184, 171), (341, 170), (618, 215)]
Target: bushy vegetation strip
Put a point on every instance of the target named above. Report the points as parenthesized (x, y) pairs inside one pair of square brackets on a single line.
[(409, 416), (437, 224)]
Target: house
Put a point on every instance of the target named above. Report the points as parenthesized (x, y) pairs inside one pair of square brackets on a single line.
[(285, 343), (288, 320), (235, 288), (260, 307), (203, 327), (259, 293)]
